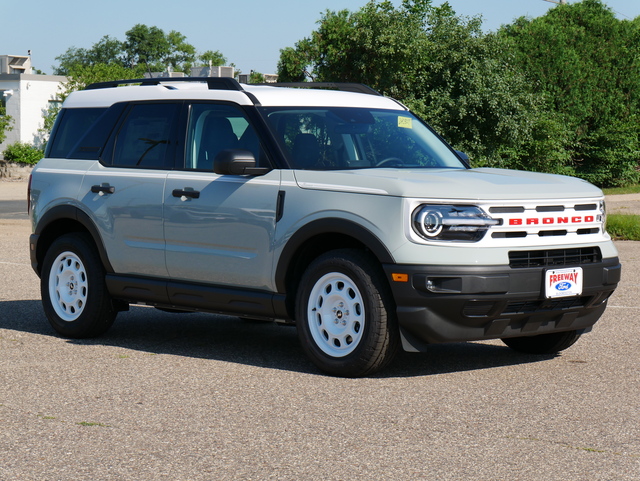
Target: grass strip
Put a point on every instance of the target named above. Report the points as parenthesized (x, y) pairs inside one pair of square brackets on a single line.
[(624, 227), (631, 189)]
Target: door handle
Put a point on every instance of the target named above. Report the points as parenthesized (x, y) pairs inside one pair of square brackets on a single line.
[(103, 189), (186, 192)]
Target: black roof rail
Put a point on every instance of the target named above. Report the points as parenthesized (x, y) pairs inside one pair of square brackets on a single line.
[(213, 83), (344, 86)]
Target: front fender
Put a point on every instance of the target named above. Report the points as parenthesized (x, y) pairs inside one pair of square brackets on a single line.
[(322, 227)]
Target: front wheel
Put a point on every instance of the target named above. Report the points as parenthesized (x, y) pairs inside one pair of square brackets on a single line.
[(345, 316), (72, 285), (543, 343)]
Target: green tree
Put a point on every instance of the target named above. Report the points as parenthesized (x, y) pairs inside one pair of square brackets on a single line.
[(182, 54), (73, 57), (295, 63), (157, 51), (256, 78), (5, 123), (107, 50), (81, 76), (149, 47), (439, 64), (145, 49), (214, 57), (585, 62)]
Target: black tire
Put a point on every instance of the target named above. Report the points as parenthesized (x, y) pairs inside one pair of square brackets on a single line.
[(83, 308), (544, 343), (345, 314)]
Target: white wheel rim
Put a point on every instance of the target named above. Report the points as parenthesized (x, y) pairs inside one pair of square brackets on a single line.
[(68, 286), (336, 314)]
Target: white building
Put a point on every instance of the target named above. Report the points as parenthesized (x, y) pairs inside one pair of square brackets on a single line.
[(213, 72), (27, 98)]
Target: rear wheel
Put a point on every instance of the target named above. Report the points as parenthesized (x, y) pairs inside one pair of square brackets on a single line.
[(544, 343), (73, 289), (345, 316)]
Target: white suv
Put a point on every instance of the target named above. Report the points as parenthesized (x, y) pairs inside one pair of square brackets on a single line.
[(339, 211)]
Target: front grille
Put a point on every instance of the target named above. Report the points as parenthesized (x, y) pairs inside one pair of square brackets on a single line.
[(554, 257), (529, 307), (543, 222)]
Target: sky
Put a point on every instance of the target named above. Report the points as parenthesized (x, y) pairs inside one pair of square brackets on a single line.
[(250, 33)]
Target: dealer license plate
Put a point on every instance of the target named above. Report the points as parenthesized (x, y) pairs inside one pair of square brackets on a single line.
[(563, 282)]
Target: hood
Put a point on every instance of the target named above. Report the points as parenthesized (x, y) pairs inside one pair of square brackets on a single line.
[(463, 184)]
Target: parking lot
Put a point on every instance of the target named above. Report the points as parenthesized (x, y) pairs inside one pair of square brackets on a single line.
[(200, 397)]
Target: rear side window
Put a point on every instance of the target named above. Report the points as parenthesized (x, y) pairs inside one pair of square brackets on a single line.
[(145, 137), (70, 127)]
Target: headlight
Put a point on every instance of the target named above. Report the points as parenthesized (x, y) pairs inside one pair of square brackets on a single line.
[(451, 222)]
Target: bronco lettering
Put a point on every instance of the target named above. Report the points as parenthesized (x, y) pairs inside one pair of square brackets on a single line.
[(578, 219)]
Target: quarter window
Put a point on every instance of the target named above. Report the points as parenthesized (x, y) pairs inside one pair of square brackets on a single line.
[(70, 126)]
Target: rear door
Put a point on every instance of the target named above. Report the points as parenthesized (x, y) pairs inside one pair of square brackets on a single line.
[(124, 192)]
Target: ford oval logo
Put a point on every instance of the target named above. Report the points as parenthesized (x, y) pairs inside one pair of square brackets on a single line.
[(563, 286)]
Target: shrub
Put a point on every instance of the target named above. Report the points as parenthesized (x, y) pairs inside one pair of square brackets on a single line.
[(23, 153)]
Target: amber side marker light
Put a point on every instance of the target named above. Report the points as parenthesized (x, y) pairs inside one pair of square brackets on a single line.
[(400, 277)]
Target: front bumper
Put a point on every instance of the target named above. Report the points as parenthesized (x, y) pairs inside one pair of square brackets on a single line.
[(453, 304)]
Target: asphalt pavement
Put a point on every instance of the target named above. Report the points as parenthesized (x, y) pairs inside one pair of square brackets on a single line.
[(200, 397), (13, 199), (623, 204)]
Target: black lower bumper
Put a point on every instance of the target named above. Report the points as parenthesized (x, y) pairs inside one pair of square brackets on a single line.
[(452, 304)]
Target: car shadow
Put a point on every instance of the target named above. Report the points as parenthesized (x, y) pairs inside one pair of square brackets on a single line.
[(262, 344)]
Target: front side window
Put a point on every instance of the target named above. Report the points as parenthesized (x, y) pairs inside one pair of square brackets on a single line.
[(144, 139), (356, 138), (213, 128)]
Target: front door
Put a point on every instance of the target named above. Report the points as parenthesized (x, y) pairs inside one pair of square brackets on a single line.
[(219, 229)]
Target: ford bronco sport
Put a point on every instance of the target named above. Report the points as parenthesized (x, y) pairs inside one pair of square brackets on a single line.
[(336, 210)]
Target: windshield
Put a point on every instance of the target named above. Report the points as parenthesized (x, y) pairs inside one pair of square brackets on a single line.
[(338, 138)]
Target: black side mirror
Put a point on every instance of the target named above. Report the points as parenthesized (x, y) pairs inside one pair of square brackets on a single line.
[(237, 162)]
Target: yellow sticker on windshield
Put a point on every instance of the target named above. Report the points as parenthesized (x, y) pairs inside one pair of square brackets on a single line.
[(405, 122)]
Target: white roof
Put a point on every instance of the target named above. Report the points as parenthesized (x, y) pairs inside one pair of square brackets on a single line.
[(106, 97), (291, 97), (266, 95)]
